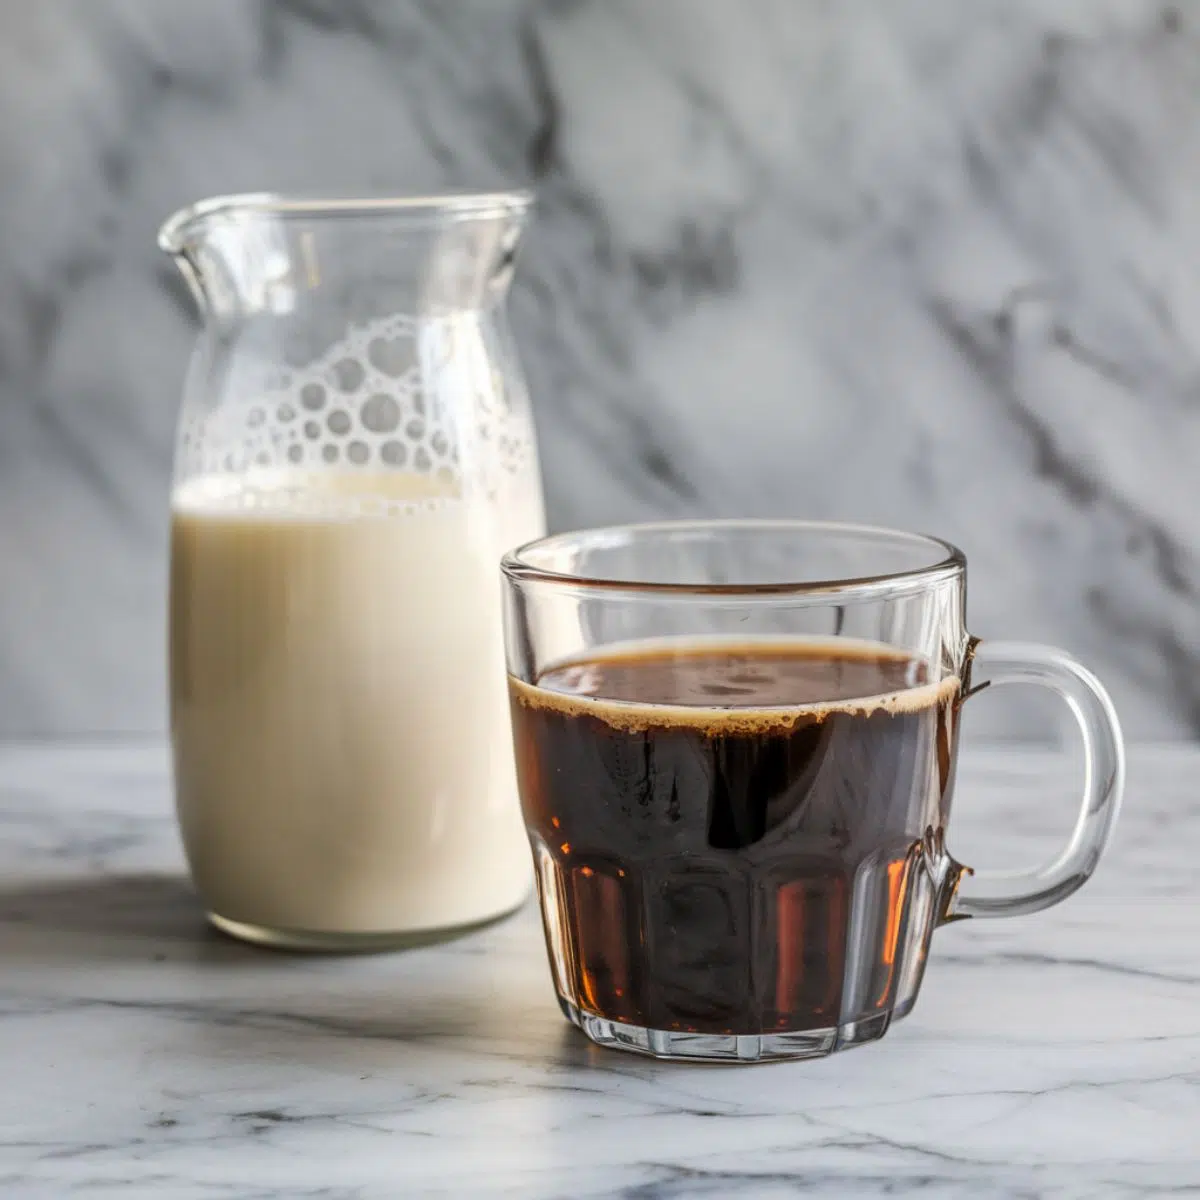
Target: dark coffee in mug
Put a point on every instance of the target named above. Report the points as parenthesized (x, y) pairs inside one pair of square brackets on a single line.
[(728, 834)]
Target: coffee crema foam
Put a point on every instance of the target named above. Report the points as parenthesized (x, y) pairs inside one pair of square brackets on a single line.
[(565, 688)]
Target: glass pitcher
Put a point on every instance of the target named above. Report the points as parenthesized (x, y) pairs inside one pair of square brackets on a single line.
[(355, 452)]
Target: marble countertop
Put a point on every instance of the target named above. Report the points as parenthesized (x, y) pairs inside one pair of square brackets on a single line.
[(1056, 1055)]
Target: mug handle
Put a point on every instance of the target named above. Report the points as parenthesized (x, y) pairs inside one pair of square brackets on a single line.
[(1013, 893)]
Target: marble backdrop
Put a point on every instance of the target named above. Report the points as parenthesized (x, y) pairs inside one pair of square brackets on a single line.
[(933, 263)]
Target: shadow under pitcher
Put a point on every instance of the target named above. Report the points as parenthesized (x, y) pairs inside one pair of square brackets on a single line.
[(736, 746)]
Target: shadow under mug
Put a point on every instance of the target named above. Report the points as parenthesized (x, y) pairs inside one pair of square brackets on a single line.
[(736, 746)]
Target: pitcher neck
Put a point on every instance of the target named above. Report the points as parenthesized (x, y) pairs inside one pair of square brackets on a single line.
[(265, 254)]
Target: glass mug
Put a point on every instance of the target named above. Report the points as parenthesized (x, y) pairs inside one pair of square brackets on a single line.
[(355, 451), (736, 746)]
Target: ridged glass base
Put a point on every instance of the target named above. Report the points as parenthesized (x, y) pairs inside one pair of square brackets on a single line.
[(727, 1048), (320, 942)]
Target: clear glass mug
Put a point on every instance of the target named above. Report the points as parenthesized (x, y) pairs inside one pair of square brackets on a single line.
[(736, 747), (355, 451)]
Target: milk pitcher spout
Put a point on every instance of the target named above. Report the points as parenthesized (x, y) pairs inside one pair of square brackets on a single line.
[(261, 253)]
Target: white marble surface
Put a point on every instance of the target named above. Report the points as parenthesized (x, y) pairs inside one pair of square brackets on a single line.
[(1054, 1056), (926, 262)]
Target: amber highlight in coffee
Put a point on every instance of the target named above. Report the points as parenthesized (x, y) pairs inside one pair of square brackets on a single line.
[(728, 836)]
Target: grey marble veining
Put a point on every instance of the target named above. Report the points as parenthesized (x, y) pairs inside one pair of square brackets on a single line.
[(1052, 1056), (925, 262)]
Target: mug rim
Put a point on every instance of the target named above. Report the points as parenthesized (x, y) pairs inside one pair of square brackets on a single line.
[(950, 562)]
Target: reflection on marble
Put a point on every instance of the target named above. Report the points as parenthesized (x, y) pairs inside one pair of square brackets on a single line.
[(1057, 1055), (925, 262)]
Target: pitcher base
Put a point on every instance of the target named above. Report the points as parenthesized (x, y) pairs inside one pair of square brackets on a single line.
[(324, 942)]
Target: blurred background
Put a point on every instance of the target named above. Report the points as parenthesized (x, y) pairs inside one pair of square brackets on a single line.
[(928, 263)]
